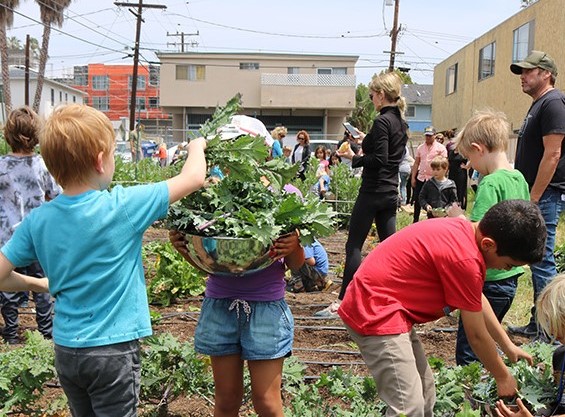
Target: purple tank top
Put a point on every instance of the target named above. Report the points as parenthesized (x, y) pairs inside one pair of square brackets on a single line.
[(265, 285)]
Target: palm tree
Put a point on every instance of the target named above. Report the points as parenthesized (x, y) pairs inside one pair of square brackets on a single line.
[(51, 12), (6, 21)]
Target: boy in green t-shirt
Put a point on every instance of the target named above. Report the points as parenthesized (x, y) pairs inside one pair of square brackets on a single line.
[(484, 141)]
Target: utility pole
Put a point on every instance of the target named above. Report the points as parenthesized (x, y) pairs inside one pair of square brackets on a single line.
[(140, 6), (393, 37), (182, 35), (26, 73)]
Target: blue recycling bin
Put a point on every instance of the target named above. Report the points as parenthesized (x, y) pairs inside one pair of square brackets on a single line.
[(148, 149)]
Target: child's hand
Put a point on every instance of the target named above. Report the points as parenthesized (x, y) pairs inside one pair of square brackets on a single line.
[(198, 142), (516, 353), (519, 410), (455, 211), (177, 239), (285, 245)]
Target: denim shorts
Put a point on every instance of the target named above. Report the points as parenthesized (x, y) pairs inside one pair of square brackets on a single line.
[(257, 330)]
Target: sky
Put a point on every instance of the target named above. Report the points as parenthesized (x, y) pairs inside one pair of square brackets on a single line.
[(97, 31)]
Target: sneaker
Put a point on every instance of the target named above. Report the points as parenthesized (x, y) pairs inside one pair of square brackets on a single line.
[(330, 311), (529, 330)]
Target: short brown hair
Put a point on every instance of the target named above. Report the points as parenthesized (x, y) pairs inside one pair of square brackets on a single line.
[(71, 140), (22, 129), (439, 162), (487, 127)]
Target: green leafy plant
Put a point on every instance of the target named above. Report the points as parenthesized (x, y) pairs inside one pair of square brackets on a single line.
[(170, 276), (23, 373), (171, 368)]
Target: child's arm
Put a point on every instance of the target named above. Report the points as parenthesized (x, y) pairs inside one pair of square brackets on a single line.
[(12, 281), (484, 347), (513, 352), (193, 173)]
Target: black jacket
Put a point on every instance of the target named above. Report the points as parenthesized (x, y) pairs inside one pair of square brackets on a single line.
[(383, 149), (438, 195)]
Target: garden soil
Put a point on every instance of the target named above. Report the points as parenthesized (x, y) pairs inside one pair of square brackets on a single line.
[(319, 343)]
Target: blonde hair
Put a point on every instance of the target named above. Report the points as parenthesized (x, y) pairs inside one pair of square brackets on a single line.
[(487, 127), (439, 162), (390, 84), (550, 307), (22, 129), (279, 132), (71, 140)]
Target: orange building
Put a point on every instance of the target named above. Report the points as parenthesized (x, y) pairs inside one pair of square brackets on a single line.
[(109, 90)]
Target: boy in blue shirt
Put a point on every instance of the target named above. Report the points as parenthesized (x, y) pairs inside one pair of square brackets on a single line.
[(88, 241), (313, 274)]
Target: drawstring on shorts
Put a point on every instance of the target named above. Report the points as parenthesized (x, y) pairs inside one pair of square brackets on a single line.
[(246, 307)]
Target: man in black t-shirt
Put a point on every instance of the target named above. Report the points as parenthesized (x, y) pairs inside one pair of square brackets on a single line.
[(540, 156)]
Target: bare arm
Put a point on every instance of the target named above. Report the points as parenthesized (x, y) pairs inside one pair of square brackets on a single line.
[(484, 347), (414, 172), (547, 166), (193, 173), (13, 281), (500, 336)]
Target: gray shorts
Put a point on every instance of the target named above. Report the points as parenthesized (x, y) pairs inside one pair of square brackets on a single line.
[(100, 381)]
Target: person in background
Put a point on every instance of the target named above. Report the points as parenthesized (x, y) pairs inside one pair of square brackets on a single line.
[(540, 156), (301, 153), (287, 152), (457, 169), (162, 155), (135, 138), (422, 170), (335, 159), (25, 184), (382, 151), (404, 170), (424, 272), (352, 144), (322, 172), (88, 241), (247, 320), (313, 275), (550, 311), (440, 138), (438, 192), (484, 141), (278, 134)]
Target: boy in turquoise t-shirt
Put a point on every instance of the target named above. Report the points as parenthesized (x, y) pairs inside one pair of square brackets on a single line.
[(484, 141), (88, 241)]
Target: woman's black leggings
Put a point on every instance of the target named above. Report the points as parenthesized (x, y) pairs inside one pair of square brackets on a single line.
[(380, 207)]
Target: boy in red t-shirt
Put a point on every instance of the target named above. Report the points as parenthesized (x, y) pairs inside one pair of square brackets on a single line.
[(424, 272)]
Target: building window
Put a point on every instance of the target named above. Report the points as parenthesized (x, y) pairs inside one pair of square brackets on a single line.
[(451, 80), (74, 99), (191, 72), (60, 96), (293, 70), (523, 41), (52, 96), (141, 80), (154, 102), (487, 57), (80, 75), (66, 97), (248, 65), (100, 82), (101, 103), (410, 111), (154, 75), (140, 101), (330, 71)]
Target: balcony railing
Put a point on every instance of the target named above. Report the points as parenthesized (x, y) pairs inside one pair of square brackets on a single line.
[(309, 80)]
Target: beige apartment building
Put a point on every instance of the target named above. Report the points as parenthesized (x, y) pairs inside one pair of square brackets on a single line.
[(478, 76), (311, 92)]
